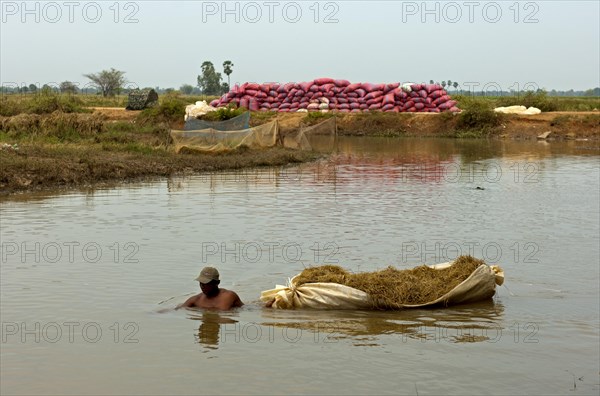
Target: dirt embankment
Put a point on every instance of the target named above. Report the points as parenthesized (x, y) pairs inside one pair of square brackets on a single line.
[(46, 164), (562, 124)]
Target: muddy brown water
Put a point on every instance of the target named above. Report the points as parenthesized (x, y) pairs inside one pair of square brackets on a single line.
[(85, 275)]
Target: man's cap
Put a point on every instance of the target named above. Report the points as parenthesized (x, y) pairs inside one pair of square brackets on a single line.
[(208, 274)]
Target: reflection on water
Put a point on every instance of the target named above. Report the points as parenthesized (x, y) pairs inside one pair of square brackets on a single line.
[(210, 327), (468, 323)]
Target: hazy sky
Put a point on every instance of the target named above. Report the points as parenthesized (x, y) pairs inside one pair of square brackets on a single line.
[(549, 44)]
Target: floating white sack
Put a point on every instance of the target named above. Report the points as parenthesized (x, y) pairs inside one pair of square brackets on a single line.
[(480, 285)]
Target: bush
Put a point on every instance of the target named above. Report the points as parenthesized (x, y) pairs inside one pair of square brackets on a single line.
[(170, 109), (538, 99), (478, 115), (223, 113)]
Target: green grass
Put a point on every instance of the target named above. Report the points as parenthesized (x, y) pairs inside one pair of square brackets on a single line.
[(540, 100)]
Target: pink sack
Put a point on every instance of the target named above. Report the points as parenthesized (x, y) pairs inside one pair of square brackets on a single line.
[(253, 106), (361, 92), (408, 105), (253, 86), (437, 94), (341, 83), (326, 87), (305, 86), (419, 106), (375, 106), (363, 106), (387, 107), (214, 103), (432, 88), (323, 81), (422, 93), (389, 99), (441, 100), (352, 87), (373, 95)]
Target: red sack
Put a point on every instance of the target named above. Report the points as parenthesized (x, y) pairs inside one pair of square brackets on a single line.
[(251, 92), (214, 103), (419, 106), (437, 94), (253, 105), (282, 89), (422, 93), (326, 87), (261, 95), (354, 106), (355, 111), (368, 87), (373, 95), (375, 106), (361, 92), (244, 102), (387, 107), (441, 100), (323, 81), (416, 87), (341, 83), (303, 105), (408, 105), (253, 86), (342, 100), (352, 87), (352, 95), (343, 106), (305, 86), (363, 106), (285, 106), (432, 87), (389, 99), (265, 106), (392, 86)]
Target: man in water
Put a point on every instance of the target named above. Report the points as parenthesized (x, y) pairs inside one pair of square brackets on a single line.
[(212, 296)]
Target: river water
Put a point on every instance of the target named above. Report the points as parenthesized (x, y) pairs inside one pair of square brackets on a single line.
[(88, 277)]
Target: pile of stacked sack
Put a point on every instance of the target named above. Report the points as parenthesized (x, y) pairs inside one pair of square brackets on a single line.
[(327, 94)]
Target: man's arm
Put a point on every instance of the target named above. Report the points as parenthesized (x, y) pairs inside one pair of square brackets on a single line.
[(230, 300), (190, 302)]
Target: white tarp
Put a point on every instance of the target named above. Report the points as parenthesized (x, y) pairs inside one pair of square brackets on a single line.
[(198, 109), (480, 285), (518, 110)]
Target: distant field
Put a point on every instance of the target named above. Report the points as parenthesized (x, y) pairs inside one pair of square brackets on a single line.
[(13, 104)]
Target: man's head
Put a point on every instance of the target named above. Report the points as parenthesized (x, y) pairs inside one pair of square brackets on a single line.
[(209, 280)]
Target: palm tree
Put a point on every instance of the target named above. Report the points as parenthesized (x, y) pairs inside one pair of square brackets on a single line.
[(227, 69), (455, 85)]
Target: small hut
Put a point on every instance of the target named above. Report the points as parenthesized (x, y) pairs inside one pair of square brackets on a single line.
[(140, 99)]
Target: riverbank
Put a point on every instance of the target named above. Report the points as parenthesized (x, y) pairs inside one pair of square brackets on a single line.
[(111, 145), (563, 125), (33, 167)]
